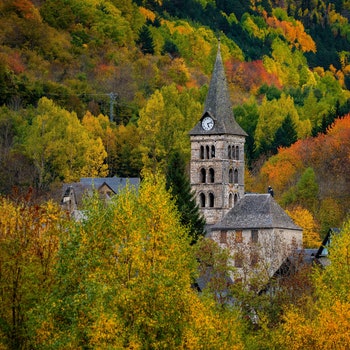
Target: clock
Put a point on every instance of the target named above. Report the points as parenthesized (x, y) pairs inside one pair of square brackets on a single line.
[(207, 123)]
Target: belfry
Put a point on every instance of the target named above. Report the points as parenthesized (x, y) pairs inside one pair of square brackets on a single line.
[(217, 151)]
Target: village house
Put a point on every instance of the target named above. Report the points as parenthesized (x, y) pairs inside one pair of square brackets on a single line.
[(106, 187)]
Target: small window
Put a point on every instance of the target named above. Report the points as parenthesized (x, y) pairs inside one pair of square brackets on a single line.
[(254, 236), (235, 199), (229, 152), (203, 176), (235, 176), (211, 175), (211, 200), (230, 176), (230, 200), (238, 237), (202, 200), (208, 151), (202, 152), (237, 153), (213, 151), (223, 236)]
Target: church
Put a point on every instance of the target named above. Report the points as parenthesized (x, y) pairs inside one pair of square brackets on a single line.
[(256, 230)]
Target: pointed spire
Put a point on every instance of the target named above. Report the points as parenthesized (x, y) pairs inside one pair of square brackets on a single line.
[(218, 103)]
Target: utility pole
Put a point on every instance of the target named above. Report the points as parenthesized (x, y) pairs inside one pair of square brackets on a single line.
[(112, 97)]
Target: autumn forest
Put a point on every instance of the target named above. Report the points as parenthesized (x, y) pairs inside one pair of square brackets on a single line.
[(99, 88)]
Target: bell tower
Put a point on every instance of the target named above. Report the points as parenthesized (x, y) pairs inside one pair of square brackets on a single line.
[(217, 151)]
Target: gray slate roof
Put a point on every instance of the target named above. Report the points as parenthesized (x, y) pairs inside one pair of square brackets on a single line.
[(218, 105), (256, 211), (115, 183), (88, 184)]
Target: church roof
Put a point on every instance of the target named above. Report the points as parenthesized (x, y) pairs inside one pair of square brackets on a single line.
[(218, 105), (256, 211)]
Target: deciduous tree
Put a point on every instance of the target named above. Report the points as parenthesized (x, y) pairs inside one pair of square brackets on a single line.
[(325, 323), (29, 240), (303, 218), (60, 147), (164, 125), (124, 280)]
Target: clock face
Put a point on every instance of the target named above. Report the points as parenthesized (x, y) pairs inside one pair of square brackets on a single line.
[(207, 123)]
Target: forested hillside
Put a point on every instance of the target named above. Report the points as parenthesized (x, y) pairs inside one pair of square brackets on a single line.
[(112, 87), (99, 88)]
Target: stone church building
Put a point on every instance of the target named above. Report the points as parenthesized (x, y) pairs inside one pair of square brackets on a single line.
[(253, 226)]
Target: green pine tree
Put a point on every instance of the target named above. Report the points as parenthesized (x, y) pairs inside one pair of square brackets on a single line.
[(180, 188), (286, 134), (145, 41)]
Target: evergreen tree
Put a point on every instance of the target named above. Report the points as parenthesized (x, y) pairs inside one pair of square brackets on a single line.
[(180, 187), (145, 41), (286, 134), (171, 48)]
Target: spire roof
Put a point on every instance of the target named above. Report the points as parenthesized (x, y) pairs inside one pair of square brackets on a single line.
[(218, 104)]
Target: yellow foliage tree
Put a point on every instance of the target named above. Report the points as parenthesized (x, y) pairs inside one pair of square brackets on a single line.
[(124, 281), (303, 218), (164, 124), (100, 128), (325, 323), (29, 239), (60, 147)]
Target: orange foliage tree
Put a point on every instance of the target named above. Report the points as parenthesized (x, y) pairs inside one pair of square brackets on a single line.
[(250, 75), (328, 155), (294, 32), (282, 170)]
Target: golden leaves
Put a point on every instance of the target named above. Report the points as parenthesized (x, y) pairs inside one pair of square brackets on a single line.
[(303, 218)]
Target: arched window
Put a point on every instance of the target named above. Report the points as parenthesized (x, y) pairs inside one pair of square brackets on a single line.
[(235, 200), (229, 152), (213, 151), (235, 176), (237, 152), (230, 176), (202, 152), (202, 200), (211, 200), (230, 200), (203, 176), (208, 151), (211, 175)]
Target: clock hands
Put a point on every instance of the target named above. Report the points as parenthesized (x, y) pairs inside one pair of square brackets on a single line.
[(207, 123)]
